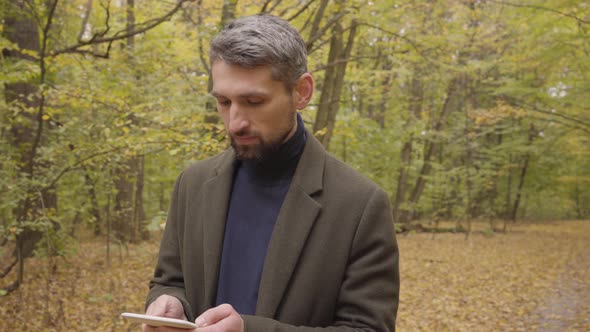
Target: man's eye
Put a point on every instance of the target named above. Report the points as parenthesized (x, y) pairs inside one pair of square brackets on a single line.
[(223, 102), (255, 101)]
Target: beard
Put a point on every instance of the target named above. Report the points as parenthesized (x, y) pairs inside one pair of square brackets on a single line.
[(265, 148)]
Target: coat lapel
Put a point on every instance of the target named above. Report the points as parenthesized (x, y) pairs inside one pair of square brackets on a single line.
[(216, 193), (296, 218)]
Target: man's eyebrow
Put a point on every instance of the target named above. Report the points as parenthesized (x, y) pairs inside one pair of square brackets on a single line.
[(242, 95), (254, 94), (215, 94)]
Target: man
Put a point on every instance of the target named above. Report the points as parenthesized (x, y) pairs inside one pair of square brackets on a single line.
[(274, 234)]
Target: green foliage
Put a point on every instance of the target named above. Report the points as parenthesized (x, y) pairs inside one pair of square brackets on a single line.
[(517, 108), (55, 243), (511, 101)]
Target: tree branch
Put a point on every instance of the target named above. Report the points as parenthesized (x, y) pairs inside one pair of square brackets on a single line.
[(321, 32), (43, 70), (265, 6), (575, 120), (31, 8), (200, 38), (299, 12), (563, 123), (397, 35), (316, 24), (274, 6), (540, 8), (120, 35), (341, 60), (8, 269), (10, 288), (80, 161)]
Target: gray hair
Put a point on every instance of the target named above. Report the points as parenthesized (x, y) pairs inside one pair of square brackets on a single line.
[(261, 40)]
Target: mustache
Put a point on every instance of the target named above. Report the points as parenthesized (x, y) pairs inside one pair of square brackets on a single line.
[(244, 132)]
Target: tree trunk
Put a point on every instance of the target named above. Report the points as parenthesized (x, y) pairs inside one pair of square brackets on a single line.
[(130, 26), (374, 86), (379, 116), (523, 170), (228, 14), (582, 207), (94, 207), (139, 213), (109, 224), (402, 180), (313, 33), (468, 183), (414, 110), (333, 83), (123, 226), (452, 103), (326, 98), (508, 200), (27, 130)]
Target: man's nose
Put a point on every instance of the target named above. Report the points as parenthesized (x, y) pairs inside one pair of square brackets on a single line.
[(238, 120)]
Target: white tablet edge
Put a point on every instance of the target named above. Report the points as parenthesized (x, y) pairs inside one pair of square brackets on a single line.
[(159, 321)]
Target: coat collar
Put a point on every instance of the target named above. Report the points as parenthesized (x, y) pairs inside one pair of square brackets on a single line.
[(215, 203), (294, 222), (309, 173)]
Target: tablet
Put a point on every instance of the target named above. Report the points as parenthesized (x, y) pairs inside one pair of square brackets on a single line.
[(159, 321)]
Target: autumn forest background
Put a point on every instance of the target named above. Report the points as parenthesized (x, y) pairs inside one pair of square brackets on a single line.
[(473, 115)]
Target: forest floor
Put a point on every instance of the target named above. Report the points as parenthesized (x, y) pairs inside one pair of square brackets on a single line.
[(534, 278)]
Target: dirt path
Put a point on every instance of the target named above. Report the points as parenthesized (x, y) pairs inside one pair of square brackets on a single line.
[(567, 308)]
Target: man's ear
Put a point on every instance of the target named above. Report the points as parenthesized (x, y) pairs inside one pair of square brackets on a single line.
[(303, 91)]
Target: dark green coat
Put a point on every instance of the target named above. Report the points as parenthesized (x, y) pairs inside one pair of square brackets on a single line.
[(332, 260)]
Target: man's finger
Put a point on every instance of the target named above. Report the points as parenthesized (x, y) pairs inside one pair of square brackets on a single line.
[(166, 306), (232, 323), (214, 315)]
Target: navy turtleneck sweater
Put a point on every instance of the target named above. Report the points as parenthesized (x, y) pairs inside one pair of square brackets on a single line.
[(258, 191)]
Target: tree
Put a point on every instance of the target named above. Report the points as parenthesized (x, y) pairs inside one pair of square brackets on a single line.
[(331, 89), (27, 100), (29, 30)]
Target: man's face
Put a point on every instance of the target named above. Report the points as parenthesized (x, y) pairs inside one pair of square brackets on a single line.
[(258, 112)]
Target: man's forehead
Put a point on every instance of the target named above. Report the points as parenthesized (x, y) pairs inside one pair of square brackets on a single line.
[(237, 80)]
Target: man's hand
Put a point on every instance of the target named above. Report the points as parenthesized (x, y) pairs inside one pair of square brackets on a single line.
[(164, 306), (223, 318)]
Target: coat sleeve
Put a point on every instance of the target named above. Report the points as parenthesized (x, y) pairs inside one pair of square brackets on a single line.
[(168, 276), (369, 295)]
